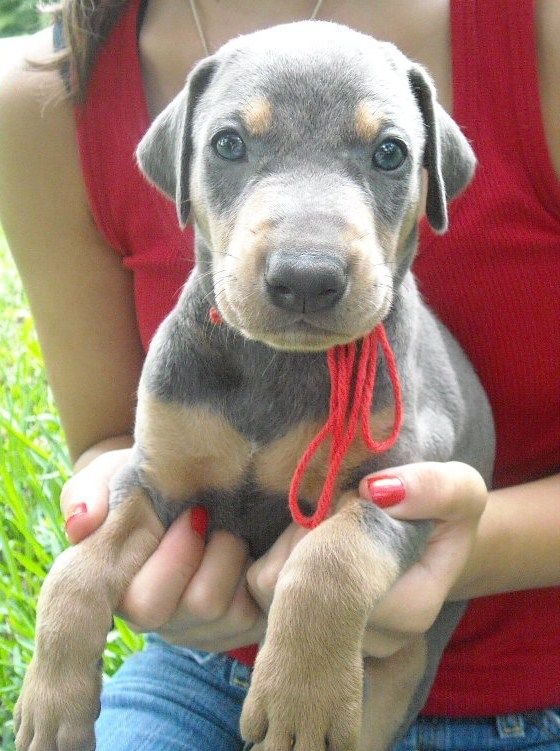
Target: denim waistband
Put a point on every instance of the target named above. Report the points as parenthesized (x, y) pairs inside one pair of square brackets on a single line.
[(530, 730), (507, 732), (219, 665)]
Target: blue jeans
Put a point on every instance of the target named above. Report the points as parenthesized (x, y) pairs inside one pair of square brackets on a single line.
[(175, 699)]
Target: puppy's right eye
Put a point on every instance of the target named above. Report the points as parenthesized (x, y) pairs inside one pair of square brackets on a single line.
[(390, 154), (229, 145)]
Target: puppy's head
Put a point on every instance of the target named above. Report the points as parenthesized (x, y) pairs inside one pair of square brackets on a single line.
[(300, 152)]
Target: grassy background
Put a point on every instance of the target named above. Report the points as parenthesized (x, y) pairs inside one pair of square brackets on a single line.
[(20, 17), (33, 467)]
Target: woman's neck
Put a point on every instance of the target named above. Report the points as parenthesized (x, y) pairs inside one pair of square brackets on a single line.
[(170, 43)]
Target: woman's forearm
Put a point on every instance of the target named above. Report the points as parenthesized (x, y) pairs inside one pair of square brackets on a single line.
[(109, 444), (518, 542)]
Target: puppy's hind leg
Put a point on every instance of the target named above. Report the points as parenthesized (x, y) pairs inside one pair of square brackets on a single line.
[(59, 701), (391, 684)]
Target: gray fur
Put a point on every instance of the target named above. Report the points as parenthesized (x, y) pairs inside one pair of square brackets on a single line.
[(166, 162), (314, 74)]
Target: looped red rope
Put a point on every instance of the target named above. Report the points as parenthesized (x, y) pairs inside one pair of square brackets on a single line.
[(342, 426)]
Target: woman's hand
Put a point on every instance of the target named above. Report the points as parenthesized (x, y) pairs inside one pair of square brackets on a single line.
[(454, 496), (196, 594), (190, 592)]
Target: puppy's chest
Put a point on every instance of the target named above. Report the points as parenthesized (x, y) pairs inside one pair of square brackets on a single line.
[(237, 457)]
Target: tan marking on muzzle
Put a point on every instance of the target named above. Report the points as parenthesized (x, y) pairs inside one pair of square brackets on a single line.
[(388, 239), (188, 449), (257, 116), (275, 464), (410, 221), (367, 120), (247, 246), (359, 233)]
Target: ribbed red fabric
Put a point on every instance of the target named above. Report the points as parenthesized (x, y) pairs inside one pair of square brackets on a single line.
[(137, 221), (493, 279)]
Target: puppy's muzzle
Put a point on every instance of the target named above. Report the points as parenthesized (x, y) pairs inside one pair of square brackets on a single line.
[(307, 283)]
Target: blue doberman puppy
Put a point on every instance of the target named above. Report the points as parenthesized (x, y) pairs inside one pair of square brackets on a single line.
[(301, 153)]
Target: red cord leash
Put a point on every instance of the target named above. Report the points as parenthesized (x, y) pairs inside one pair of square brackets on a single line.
[(340, 425)]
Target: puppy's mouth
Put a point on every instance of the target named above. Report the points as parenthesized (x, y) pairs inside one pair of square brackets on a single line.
[(298, 331), (302, 335), (305, 334)]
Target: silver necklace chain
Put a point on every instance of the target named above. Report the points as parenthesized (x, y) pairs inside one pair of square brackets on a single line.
[(200, 30)]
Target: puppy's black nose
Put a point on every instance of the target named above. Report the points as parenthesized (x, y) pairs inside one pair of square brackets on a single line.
[(305, 283)]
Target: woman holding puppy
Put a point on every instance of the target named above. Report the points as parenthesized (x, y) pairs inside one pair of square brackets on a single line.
[(66, 165)]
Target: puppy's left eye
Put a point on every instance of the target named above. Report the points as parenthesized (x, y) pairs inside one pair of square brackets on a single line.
[(229, 145), (390, 154)]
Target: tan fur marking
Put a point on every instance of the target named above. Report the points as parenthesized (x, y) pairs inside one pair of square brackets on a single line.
[(238, 271), (188, 449), (274, 465), (367, 120), (257, 116), (388, 240), (411, 219), (373, 567), (380, 426)]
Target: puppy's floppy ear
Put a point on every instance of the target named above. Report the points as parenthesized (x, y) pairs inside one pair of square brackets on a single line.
[(164, 153), (448, 157)]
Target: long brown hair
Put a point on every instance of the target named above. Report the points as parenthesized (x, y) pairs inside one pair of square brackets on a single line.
[(86, 24)]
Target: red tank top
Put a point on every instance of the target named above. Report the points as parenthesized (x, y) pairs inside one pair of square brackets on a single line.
[(493, 278)]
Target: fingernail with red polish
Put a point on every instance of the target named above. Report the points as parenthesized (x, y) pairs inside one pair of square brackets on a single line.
[(76, 510), (386, 490), (199, 521)]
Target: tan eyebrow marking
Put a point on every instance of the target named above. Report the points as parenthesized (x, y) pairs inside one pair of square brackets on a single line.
[(367, 120), (257, 116)]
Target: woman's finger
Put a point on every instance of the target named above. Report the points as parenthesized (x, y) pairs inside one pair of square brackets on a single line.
[(84, 499), (263, 574), (244, 623), (454, 496), (381, 643), (428, 490), (210, 592), (155, 592)]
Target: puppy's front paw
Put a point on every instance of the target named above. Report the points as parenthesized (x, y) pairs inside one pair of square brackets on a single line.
[(57, 711), (299, 703)]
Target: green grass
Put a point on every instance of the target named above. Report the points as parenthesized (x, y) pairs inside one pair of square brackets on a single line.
[(33, 467), (21, 17)]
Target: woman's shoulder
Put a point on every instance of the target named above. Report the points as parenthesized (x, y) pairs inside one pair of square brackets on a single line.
[(37, 131), (31, 97), (71, 275)]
